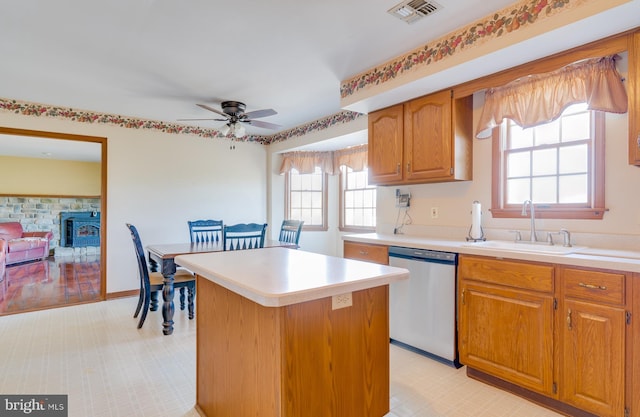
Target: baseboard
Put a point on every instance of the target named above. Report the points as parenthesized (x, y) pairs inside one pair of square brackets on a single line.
[(542, 400), (122, 294)]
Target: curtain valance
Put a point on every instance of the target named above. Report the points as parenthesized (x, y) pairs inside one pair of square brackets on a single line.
[(305, 162), (541, 98), (354, 157)]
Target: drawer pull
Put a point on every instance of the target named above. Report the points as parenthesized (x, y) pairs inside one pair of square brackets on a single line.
[(592, 286), (364, 253), (569, 319)]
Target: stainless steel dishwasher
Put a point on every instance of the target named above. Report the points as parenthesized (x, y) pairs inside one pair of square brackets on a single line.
[(422, 309)]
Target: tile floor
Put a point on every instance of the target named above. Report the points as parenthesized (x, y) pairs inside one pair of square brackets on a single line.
[(94, 353)]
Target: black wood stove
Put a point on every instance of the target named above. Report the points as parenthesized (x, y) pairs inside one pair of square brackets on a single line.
[(79, 228)]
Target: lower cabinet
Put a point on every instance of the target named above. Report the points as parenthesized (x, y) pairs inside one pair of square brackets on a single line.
[(505, 325), (633, 346), (592, 334), (366, 252), (562, 332)]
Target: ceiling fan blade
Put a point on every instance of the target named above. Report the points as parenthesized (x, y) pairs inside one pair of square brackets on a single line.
[(186, 120), (204, 106), (260, 113), (258, 123)]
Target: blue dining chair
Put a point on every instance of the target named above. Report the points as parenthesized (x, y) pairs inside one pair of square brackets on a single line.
[(153, 282), (244, 236), (205, 231), (290, 231)]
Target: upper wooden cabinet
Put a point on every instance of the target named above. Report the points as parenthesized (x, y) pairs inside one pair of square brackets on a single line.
[(428, 139), (386, 139), (633, 91)]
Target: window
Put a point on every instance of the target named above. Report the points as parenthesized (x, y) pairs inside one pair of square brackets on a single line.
[(306, 198), (558, 165), (357, 200)]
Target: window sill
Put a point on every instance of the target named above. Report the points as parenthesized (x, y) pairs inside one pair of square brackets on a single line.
[(355, 229), (314, 228), (551, 213)]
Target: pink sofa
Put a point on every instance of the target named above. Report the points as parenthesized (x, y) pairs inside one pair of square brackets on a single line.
[(19, 246)]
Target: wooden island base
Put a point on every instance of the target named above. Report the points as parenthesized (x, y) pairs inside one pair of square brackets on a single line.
[(293, 361)]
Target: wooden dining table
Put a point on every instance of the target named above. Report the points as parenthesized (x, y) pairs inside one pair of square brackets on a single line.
[(162, 259)]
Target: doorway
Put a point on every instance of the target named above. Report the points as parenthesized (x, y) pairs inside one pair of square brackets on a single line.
[(62, 172)]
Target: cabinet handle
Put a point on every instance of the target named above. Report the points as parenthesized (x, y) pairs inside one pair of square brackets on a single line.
[(398, 168), (408, 166), (462, 297), (592, 286), (638, 140), (569, 319), (364, 252)]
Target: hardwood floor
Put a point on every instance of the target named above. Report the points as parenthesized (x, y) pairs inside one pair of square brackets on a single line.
[(49, 283)]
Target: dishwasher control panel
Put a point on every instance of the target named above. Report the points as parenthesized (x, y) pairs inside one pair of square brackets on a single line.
[(412, 253)]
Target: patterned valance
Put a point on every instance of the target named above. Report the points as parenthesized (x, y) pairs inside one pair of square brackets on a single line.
[(354, 157), (541, 98), (305, 162)]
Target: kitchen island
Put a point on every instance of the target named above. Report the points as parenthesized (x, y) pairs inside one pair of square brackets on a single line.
[(287, 333)]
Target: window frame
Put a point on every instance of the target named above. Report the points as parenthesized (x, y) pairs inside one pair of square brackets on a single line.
[(341, 225), (563, 211), (287, 205)]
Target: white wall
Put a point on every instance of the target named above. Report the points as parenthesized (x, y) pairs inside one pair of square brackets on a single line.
[(160, 181), (620, 227)]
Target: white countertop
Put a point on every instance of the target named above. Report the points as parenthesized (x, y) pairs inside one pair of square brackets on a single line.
[(275, 277), (621, 260)]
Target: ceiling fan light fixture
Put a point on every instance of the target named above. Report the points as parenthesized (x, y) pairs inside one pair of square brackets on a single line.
[(239, 131), (224, 130)]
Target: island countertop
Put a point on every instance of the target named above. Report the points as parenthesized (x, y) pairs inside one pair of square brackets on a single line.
[(275, 277)]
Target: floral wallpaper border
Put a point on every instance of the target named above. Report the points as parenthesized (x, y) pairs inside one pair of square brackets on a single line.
[(510, 19), (83, 116)]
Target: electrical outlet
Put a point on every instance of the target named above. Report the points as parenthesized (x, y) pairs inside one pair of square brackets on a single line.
[(434, 212), (341, 301)]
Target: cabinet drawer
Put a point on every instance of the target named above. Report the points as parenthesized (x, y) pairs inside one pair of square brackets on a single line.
[(365, 252), (525, 275), (593, 285)]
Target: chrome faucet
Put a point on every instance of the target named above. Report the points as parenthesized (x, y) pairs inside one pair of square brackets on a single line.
[(532, 212)]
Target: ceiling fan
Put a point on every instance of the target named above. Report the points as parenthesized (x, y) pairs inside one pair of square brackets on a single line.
[(233, 112)]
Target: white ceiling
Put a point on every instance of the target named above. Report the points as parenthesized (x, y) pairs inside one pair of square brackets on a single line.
[(46, 148), (156, 59)]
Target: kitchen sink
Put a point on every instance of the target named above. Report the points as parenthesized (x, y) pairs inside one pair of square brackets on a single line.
[(511, 246)]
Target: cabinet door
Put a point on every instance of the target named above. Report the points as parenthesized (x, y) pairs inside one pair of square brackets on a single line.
[(427, 137), (385, 145), (633, 91), (592, 372), (508, 334)]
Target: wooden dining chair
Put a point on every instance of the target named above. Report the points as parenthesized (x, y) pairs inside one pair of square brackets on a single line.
[(205, 231), (152, 282), (290, 231), (244, 236)]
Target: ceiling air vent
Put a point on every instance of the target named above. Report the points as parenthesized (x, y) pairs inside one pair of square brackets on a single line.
[(412, 10)]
